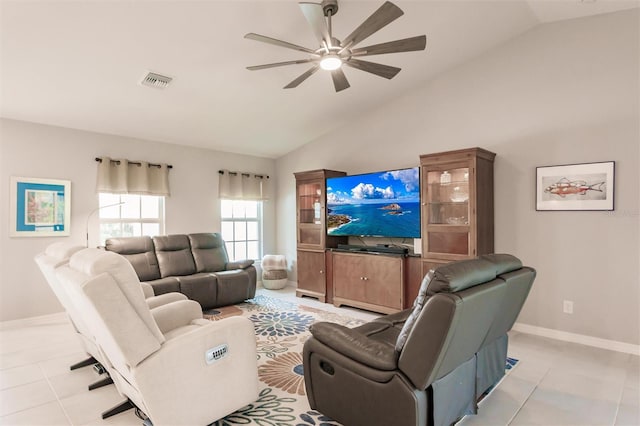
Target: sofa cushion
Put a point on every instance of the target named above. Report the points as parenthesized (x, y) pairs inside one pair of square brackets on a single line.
[(209, 252), (174, 255), (201, 287), (139, 252)]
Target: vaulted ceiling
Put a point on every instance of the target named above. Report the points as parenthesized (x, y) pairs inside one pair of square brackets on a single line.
[(78, 64)]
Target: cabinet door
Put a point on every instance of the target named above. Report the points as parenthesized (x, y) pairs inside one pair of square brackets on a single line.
[(369, 279), (311, 274), (448, 211), (310, 203)]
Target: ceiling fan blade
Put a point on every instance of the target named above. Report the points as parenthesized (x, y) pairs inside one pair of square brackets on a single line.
[(405, 45), (302, 77), (339, 80), (386, 14), (276, 42), (315, 16), (381, 70), (279, 64)]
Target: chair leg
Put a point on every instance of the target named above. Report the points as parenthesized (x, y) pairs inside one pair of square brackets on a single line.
[(120, 408), (100, 383), (84, 363)]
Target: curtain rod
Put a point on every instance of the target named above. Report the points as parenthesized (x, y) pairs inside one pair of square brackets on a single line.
[(99, 160), (243, 174)]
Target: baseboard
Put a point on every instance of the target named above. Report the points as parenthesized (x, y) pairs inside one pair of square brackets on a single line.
[(582, 339), (43, 319)]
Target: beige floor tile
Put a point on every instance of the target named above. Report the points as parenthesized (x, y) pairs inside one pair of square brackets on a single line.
[(553, 407), (31, 356), (502, 404), (20, 375), (86, 407), (633, 372), (566, 382), (73, 382), (50, 414), (60, 365), (22, 397), (128, 418)]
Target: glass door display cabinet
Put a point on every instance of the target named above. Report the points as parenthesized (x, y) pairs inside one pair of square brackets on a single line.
[(311, 232), (457, 205)]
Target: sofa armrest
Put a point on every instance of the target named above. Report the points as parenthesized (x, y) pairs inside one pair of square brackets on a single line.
[(239, 264), (163, 299), (147, 290), (230, 382), (356, 345), (176, 314)]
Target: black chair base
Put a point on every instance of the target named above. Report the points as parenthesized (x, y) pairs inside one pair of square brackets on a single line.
[(84, 363), (100, 383), (120, 408)]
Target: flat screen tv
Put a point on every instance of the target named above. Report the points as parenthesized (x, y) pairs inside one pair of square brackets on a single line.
[(382, 204)]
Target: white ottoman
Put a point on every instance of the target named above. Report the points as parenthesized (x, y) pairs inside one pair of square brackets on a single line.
[(274, 271)]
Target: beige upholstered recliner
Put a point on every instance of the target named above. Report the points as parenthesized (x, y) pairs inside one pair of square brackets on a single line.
[(173, 365), (58, 254)]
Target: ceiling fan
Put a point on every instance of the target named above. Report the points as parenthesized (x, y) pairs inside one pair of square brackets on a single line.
[(334, 53)]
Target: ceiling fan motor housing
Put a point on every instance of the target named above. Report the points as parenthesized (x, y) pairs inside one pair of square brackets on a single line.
[(329, 6)]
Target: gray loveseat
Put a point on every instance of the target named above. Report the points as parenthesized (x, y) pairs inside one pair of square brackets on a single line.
[(427, 365), (196, 265)]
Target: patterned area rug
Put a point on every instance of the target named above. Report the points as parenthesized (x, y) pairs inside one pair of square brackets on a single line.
[(281, 329)]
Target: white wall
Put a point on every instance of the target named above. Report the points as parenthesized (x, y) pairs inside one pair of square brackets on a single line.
[(32, 150), (562, 93)]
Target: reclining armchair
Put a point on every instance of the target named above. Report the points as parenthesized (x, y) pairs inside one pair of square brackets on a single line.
[(58, 254), (169, 362), (426, 365)]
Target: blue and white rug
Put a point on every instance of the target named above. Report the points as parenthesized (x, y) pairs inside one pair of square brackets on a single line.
[(281, 329)]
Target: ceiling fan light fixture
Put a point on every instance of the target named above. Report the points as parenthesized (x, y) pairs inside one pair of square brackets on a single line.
[(331, 62)]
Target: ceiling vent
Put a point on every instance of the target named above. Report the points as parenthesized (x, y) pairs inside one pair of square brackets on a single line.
[(156, 81)]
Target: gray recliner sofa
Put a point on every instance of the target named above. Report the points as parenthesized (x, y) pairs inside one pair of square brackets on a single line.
[(196, 265), (429, 364)]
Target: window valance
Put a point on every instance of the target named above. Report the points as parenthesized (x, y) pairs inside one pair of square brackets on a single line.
[(121, 176), (243, 186)]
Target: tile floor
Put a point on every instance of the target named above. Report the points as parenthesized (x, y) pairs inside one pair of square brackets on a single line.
[(555, 383)]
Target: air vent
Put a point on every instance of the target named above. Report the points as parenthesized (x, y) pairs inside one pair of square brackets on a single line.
[(156, 80)]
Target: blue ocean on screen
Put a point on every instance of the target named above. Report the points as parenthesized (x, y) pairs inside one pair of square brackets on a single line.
[(381, 204), (379, 219)]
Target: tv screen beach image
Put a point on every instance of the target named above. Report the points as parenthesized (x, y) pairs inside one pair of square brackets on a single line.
[(383, 204)]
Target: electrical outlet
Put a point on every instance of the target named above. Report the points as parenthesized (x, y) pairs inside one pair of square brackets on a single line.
[(567, 307)]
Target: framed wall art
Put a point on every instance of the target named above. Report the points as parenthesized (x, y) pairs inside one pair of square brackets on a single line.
[(39, 207), (586, 186)]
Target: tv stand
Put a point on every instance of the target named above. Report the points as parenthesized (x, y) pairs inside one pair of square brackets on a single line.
[(369, 279)]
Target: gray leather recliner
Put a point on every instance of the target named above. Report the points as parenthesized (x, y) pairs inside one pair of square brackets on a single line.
[(426, 365)]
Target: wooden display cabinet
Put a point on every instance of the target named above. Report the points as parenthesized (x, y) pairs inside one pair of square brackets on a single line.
[(457, 205), (311, 232)]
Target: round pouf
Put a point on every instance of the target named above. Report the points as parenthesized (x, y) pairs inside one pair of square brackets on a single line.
[(274, 271), (274, 280)]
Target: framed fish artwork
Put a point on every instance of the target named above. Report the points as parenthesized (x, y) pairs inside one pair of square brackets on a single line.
[(586, 186)]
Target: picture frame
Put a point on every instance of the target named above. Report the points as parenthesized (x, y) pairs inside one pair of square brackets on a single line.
[(39, 207), (583, 186)]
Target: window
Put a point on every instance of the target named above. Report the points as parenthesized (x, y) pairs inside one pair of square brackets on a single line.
[(137, 215), (242, 228)]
